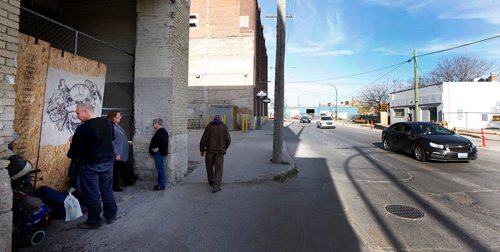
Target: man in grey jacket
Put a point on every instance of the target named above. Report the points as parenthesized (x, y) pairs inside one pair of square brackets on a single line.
[(213, 145)]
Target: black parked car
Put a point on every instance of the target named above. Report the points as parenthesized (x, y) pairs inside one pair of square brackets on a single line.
[(428, 141)]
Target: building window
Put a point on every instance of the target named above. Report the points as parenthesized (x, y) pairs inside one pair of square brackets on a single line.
[(194, 20), (399, 112), (484, 117)]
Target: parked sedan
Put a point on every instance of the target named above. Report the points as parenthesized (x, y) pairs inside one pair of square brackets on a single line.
[(428, 141), (325, 122)]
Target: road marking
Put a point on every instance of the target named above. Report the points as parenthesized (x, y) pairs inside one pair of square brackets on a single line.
[(466, 183)]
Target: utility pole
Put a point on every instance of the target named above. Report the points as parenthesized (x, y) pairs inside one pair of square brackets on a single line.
[(415, 71), (279, 83)]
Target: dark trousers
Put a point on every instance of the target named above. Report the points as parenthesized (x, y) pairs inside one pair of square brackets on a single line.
[(120, 169), (214, 159), (96, 181)]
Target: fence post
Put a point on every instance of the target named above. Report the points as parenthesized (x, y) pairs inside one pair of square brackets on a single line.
[(76, 43)]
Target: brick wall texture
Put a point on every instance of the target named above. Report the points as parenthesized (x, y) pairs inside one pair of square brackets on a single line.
[(227, 56), (161, 68), (9, 31)]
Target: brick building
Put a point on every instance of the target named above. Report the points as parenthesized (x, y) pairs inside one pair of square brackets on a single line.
[(227, 59), (9, 30), (144, 45)]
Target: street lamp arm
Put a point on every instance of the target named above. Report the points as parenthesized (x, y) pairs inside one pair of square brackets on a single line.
[(336, 96)]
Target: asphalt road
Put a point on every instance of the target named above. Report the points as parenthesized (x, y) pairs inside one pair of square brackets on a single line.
[(336, 203), (460, 201)]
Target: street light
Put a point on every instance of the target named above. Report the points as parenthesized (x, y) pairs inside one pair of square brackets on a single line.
[(260, 95), (336, 93)]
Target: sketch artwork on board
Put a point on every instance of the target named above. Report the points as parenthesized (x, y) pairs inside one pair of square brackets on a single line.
[(61, 107)]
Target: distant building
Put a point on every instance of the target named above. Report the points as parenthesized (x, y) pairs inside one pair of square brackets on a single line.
[(227, 61), (343, 112), (465, 105)]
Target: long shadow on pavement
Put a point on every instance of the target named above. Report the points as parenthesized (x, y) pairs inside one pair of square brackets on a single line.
[(446, 222)]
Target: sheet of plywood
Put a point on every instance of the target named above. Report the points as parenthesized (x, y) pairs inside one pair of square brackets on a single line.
[(32, 64), (71, 80)]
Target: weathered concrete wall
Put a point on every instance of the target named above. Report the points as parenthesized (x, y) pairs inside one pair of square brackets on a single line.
[(9, 31), (161, 69)]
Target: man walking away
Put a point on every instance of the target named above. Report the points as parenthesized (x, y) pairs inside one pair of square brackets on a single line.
[(92, 147), (213, 145)]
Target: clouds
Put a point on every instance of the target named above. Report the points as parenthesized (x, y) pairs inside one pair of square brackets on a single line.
[(486, 10), (324, 35)]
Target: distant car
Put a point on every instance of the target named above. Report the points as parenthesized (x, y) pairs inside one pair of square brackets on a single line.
[(305, 119), (428, 141), (295, 117), (325, 122)]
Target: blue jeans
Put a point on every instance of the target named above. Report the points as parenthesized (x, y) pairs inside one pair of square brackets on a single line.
[(96, 182), (160, 166)]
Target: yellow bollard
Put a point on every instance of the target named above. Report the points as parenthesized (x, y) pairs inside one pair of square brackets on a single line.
[(245, 121), (224, 119), (207, 121)]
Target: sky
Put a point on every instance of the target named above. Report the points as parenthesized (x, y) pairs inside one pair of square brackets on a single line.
[(330, 39)]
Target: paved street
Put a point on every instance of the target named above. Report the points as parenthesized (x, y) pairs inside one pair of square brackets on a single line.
[(336, 203), (459, 200)]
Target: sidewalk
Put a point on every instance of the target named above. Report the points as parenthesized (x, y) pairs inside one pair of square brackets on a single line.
[(169, 217), (247, 159)]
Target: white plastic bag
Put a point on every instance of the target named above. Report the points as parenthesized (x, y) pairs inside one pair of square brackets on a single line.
[(72, 206)]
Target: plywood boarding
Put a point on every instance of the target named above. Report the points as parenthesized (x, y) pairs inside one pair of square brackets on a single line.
[(71, 79), (32, 64)]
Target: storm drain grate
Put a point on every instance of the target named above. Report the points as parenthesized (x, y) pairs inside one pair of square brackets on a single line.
[(405, 211)]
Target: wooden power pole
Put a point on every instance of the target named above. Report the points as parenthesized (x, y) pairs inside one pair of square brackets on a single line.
[(279, 83)]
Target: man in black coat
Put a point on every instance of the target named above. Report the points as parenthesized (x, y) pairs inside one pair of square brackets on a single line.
[(92, 147), (158, 149)]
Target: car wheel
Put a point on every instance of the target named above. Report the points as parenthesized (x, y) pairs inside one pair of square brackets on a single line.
[(419, 153), (387, 144)]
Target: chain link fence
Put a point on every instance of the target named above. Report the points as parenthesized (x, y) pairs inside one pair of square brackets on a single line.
[(73, 41)]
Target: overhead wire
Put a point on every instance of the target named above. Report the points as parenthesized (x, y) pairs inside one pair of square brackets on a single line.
[(353, 75), (411, 59), (371, 83), (459, 46), (289, 33)]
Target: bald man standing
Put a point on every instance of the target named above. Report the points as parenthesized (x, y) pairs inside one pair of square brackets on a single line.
[(92, 148)]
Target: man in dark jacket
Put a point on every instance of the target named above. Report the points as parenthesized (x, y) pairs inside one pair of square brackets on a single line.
[(92, 147), (158, 149), (213, 146)]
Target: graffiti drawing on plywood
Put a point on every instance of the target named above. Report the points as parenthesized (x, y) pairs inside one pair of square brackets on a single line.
[(64, 91)]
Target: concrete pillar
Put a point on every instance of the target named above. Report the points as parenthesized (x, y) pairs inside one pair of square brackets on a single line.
[(160, 83), (9, 32)]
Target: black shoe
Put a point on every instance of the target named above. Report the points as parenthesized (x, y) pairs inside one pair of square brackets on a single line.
[(215, 189), (117, 189), (85, 225), (110, 220), (158, 188)]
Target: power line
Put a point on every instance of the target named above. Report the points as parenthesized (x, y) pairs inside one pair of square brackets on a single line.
[(353, 75), (422, 55), (291, 24), (371, 83), (459, 46)]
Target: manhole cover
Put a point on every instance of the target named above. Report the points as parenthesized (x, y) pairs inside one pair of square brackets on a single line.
[(405, 211)]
